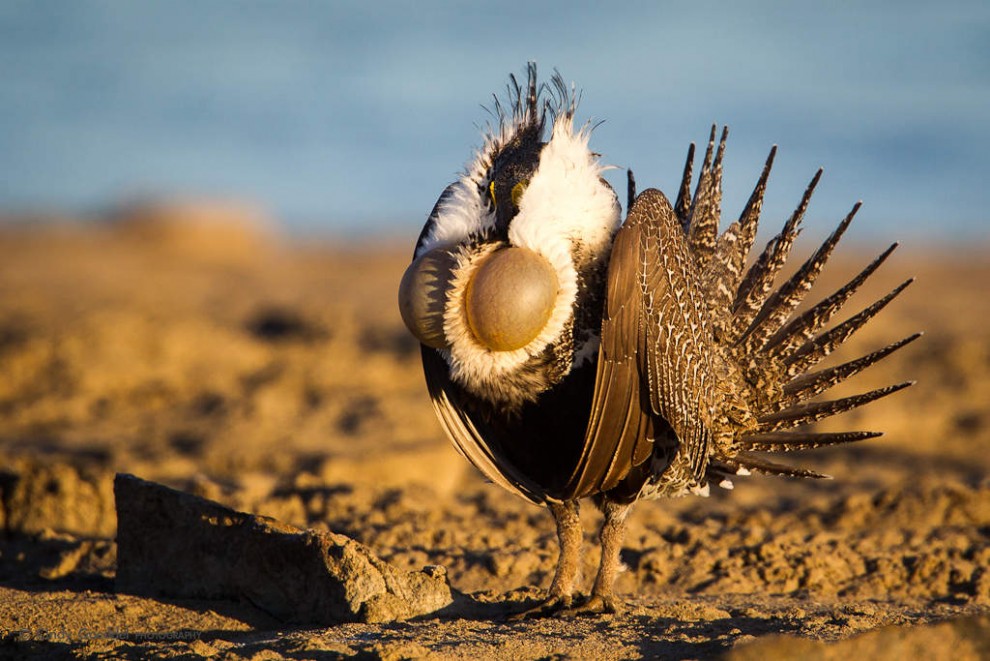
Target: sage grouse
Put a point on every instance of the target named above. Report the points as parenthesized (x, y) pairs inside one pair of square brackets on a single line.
[(571, 355)]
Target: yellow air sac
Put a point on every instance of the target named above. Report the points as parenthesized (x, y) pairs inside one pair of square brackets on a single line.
[(510, 298), (422, 294)]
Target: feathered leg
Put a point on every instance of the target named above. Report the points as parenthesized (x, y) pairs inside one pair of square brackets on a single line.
[(612, 534), (569, 534)]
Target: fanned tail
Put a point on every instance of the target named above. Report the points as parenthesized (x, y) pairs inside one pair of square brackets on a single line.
[(771, 350)]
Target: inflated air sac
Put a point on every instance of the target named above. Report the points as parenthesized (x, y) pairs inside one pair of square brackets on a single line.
[(510, 297), (423, 293)]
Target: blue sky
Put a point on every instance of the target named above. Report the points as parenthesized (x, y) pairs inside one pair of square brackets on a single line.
[(351, 117)]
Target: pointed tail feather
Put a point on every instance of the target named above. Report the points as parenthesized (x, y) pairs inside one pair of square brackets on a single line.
[(707, 206), (724, 271), (759, 279), (814, 350), (811, 384), (782, 441), (801, 414), (767, 467), (789, 295), (682, 207), (801, 328), (745, 228)]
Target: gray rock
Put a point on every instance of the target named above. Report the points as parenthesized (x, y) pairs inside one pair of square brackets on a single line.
[(174, 544)]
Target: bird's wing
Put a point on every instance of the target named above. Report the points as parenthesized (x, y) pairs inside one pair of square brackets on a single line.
[(469, 431), (655, 360)]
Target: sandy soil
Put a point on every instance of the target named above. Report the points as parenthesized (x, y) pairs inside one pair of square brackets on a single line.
[(276, 377)]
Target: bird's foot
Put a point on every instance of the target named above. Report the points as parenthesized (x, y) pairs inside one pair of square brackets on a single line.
[(552, 605), (596, 604)]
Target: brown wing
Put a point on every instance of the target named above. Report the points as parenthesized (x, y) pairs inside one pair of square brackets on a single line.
[(680, 347), (469, 432), (654, 360)]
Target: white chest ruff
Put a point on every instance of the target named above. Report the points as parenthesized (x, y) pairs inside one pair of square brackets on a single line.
[(566, 204)]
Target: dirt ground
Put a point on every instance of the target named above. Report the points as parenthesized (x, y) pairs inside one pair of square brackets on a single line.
[(275, 377)]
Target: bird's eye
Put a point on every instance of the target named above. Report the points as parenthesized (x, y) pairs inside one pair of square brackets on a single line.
[(517, 192)]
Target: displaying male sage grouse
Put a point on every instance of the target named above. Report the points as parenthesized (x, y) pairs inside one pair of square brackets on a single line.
[(571, 355)]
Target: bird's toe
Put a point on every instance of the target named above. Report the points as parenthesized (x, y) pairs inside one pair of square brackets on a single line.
[(552, 605), (596, 604)]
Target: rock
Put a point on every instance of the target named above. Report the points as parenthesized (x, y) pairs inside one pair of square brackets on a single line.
[(174, 544), (35, 497)]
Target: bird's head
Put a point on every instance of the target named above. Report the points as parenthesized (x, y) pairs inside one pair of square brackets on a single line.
[(498, 268)]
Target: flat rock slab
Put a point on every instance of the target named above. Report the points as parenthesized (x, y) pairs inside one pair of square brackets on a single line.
[(174, 544)]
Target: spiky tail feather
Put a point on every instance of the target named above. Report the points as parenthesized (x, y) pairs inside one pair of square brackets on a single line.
[(756, 327)]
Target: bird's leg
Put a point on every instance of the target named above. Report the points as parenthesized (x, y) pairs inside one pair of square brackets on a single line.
[(567, 516), (569, 534), (611, 535)]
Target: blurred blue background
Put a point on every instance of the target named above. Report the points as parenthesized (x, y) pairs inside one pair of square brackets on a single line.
[(349, 118)]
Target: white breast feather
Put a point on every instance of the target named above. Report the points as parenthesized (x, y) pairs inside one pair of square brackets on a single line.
[(565, 203)]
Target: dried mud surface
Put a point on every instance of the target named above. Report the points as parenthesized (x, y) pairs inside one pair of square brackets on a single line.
[(276, 378)]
